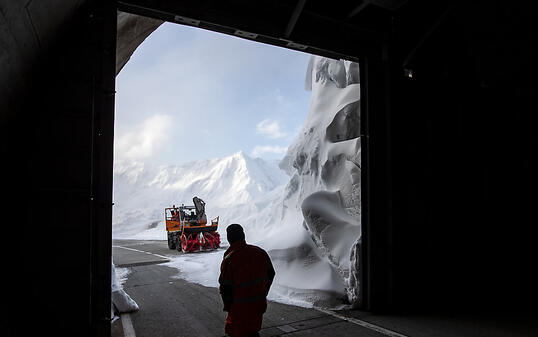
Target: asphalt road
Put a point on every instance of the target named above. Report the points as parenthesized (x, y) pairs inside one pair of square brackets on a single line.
[(174, 307)]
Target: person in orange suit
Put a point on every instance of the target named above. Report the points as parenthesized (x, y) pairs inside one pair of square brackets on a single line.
[(246, 274), (174, 214)]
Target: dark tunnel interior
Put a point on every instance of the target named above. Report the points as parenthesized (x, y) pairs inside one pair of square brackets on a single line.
[(450, 104), (463, 165)]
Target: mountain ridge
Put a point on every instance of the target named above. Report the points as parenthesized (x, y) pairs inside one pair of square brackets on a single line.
[(233, 187)]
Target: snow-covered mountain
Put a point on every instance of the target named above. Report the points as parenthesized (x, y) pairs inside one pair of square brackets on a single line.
[(236, 188)]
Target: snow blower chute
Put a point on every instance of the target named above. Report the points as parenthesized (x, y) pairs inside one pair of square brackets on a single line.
[(188, 230)]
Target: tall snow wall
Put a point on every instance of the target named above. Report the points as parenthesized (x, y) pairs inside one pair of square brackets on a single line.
[(324, 165)]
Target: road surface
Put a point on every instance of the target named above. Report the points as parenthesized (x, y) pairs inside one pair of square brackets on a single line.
[(170, 306), (173, 307)]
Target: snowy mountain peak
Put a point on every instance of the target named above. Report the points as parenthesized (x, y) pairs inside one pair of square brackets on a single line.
[(141, 192), (239, 154)]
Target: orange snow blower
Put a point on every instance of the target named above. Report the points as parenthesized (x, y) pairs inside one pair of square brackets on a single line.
[(188, 230)]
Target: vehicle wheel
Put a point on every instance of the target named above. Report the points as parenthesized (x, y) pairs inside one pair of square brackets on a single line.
[(171, 241)]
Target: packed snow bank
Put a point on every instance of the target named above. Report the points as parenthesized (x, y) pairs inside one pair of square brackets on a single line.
[(121, 301), (336, 233), (324, 164), (332, 228), (305, 214), (303, 278)]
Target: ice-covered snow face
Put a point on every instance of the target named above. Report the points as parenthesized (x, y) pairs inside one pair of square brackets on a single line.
[(324, 162)]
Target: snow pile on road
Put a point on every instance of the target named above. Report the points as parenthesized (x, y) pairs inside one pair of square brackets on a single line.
[(121, 301), (308, 218)]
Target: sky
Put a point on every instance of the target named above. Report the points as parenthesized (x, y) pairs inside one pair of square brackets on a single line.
[(189, 94)]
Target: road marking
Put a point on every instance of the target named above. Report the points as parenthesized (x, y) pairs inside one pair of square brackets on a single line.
[(286, 328), (128, 330), (142, 251), (364, 324)]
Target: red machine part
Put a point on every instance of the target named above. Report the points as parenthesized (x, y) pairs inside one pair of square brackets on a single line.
[(211, 240), (193, 242)]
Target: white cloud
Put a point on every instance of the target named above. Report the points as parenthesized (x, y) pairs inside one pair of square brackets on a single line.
[(270, 129), (142, 141), (261, 149)]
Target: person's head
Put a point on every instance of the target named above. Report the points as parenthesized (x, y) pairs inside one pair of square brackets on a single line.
[(235, 233)]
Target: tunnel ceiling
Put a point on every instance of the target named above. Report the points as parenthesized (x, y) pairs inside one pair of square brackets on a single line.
[(313, 27)]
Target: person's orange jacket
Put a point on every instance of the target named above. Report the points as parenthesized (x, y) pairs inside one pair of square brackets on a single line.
[(246, 274)]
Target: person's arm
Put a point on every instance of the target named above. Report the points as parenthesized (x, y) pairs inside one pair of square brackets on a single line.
[(226, 284)]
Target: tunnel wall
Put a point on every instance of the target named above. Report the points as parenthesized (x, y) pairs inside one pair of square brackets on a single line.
[(57, 82), (132, 31), (463, 163)]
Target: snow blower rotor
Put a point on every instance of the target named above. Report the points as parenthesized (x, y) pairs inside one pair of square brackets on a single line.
[(188, 230)]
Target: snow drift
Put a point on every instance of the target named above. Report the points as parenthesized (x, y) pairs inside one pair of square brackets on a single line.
[(324, 164), (121, 301), (305, 212)]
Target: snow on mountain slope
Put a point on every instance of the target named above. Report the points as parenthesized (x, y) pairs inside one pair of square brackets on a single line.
[(236, 188)]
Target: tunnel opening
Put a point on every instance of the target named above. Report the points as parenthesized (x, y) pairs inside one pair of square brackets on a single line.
[(315, 197)]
